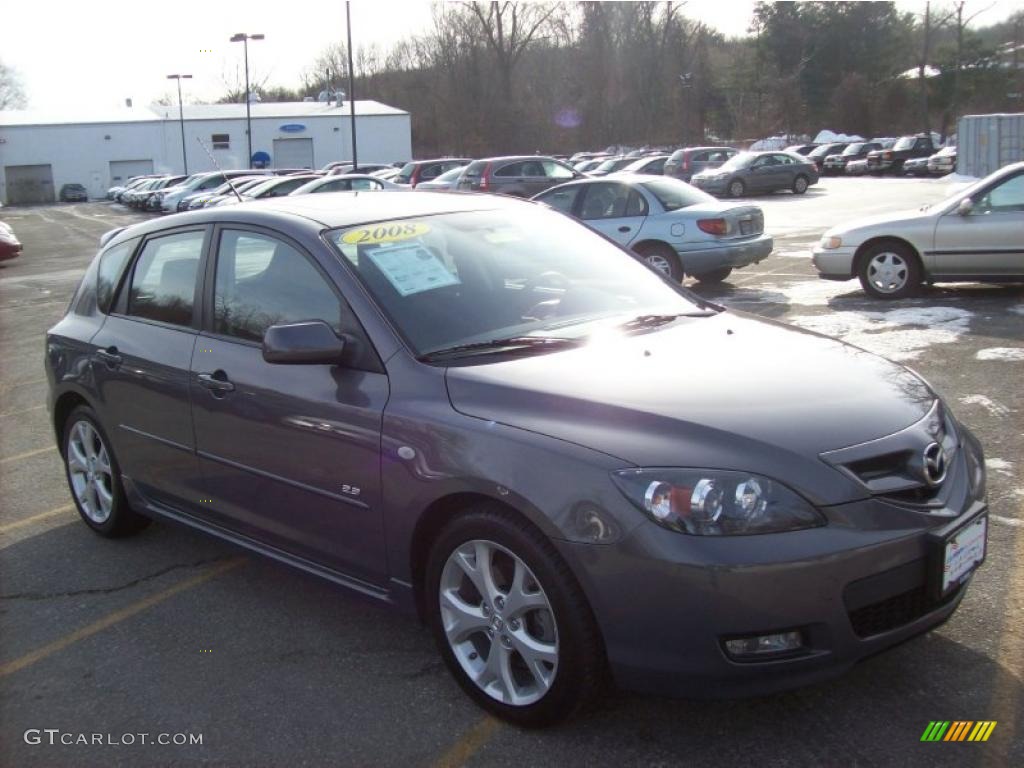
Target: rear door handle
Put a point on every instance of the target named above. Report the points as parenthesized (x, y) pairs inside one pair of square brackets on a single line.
[(625, 229), (109, 356), (217, 382)]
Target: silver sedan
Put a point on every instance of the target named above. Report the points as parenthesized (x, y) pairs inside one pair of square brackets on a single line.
[(676, 228), (975, 235)]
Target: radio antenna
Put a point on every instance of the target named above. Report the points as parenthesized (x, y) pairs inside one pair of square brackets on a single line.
[(213, 160)]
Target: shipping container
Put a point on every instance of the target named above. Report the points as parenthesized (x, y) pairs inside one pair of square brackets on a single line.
[(988, 142)]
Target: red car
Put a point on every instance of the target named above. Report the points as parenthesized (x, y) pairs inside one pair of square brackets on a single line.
[(10, 246)]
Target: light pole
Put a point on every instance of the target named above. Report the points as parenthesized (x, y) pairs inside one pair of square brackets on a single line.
[(243, 38), (351, 87), (181, 118)]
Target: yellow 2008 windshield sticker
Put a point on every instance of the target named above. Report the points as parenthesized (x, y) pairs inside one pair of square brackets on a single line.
[(385, 233)]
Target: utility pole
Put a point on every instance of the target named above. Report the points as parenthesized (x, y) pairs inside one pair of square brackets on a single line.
[(181, 118), (244, 39), (351, 87)]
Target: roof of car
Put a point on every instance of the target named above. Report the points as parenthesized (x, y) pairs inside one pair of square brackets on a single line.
[(333, 209)]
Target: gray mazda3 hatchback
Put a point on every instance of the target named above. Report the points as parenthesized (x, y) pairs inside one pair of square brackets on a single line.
[(490, 416)]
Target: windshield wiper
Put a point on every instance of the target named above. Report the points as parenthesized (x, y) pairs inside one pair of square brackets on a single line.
[(653, 321), (510, 344)]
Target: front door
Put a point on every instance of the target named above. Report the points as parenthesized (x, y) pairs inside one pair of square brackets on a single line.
[(989, 241), (613, 209), (143, 355), (290, 453)]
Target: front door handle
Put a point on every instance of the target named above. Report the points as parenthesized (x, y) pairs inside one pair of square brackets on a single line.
[(217, 382), (625, 229), (110, 357)]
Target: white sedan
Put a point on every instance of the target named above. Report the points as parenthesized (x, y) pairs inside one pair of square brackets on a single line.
[(676, 228), (347, 182), (975, 235)]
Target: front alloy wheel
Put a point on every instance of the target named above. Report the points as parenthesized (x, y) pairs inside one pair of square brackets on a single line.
[(499, 623), (510, 619)]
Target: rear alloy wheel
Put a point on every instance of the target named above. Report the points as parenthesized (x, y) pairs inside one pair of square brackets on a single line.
[(799, 185), (889, 271), (715, 276), (510, 621), (737, 188), (94, 478), (663, 259)]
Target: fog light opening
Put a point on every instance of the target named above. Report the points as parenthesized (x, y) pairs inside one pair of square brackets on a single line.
[(765, 646)]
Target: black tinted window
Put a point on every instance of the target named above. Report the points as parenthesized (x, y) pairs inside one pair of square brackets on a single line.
[(262, 281), (111, 266), (512, 169), (164, 281)]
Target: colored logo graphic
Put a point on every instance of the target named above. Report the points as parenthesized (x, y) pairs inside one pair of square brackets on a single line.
[(958, 730)]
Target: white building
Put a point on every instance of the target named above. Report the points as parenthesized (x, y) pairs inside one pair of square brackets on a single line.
[(40, 151)]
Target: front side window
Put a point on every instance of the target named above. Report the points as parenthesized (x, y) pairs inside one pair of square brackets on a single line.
[(1007, 197), (262, 281), (164, 280), (475, 277), (555, 170)]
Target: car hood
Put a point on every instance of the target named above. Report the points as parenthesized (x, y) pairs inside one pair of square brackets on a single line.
[(729, 391), (890, 222)]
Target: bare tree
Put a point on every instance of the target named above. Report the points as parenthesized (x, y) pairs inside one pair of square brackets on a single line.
[(12, 94)]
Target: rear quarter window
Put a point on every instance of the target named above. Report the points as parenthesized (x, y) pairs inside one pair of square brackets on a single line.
[(111, 267)]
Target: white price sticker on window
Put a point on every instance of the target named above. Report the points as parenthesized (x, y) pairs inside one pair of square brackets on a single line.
[(412, 268)]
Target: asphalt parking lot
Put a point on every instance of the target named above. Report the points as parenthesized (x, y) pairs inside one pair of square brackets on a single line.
[(171, 632)]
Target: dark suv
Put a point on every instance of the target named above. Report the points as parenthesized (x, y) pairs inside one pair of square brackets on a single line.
[(414, 172), (520, 176), (906, 148), (683, 163)]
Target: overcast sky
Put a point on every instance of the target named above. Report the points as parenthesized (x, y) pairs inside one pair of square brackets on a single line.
[(80, 55)]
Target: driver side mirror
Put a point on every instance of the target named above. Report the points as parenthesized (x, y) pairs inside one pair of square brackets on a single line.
[(965, 207), (298, 343)]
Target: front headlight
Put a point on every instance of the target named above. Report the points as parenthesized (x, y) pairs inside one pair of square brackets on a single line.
[(829, 243), (711, 502)]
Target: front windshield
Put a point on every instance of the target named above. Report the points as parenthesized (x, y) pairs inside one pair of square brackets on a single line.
[(674, 194), (742, 160), (471, 277), (610, 164), (905, 143)]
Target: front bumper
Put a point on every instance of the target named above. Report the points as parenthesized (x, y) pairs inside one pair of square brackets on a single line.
[(734, 254), (834, 263), (665, 606), (710, 185)]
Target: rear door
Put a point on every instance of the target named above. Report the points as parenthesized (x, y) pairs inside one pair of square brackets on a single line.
[(143, 355), (989, 241), (290, 453), (614, 209)]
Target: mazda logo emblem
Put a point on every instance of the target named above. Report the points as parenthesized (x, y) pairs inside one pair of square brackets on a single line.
[(934, 464)]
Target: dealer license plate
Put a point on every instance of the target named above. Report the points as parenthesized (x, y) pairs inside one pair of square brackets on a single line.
[(964, 552)]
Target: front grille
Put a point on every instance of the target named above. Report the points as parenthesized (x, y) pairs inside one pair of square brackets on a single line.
[(896, 611)]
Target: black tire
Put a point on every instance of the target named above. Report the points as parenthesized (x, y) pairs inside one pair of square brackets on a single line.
[(800, 184), (662, 258), (581, 672), (736, 188), (122, 521), (898, 260), (715, 276)]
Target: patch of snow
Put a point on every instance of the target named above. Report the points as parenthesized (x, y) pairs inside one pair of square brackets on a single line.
[(1001, 466), (1008, 354), (887, 334), (957, 178), (993, 407), (812, 293), (830, 137)]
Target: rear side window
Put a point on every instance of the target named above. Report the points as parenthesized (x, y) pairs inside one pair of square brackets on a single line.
[(512, 169), (163, 283), (262, 281), (606, 201), (431, 171), (109, 274)]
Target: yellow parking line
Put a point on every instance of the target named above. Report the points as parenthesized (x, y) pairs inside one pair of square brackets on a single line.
[(23, 410), (35, 518), (114, 618), (27, 454), (469, 744)]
